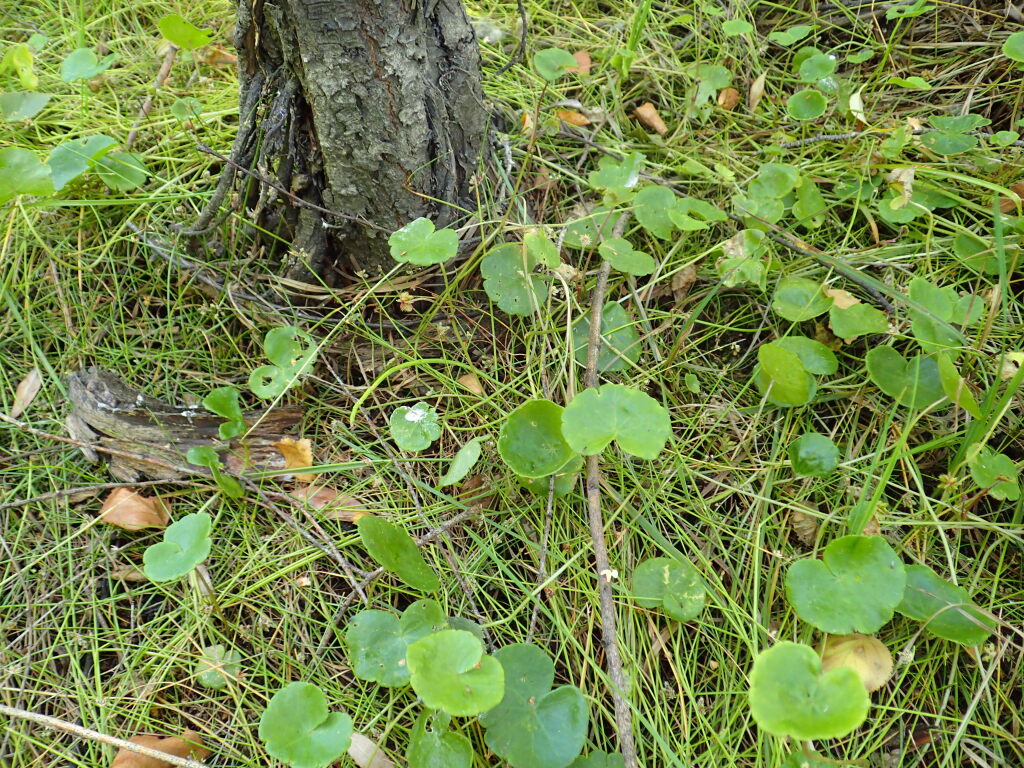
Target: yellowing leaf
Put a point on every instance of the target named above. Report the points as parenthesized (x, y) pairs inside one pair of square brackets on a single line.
[(366, 754), (842, 299), (583, 63), (334, 504), (188, 745), (865, 655), (132, 511), (297, 453), (26, 393), (647, 114), (472, 382), (756, 92), (572, 117)]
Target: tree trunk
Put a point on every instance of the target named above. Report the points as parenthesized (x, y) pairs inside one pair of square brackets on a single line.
[(371, 109)]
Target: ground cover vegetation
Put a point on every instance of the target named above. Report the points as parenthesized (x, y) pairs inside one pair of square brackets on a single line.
[(741, 298)]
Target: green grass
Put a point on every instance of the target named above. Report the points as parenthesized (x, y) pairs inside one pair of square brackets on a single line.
[(79, 289)]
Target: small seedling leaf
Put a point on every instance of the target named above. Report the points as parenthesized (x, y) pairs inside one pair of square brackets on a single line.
[(791, 696), (865, 655), (395, 551), (414, 428), (856, 320), (633, 419), (437, 747), (223, 401), (673, 586), (534, 726), (509, 281), (449, 671), (620, 343), (787, 37), (418, 243), (83, 64), (298, 729), (71, 159), (377, 640), (621, 255), (531, 440), (993, 472), (798, 299), (813, 455), (855, 587), (946, 609), (462, 462), (552, 63), (217, 667), (186, 544), (182, 33)]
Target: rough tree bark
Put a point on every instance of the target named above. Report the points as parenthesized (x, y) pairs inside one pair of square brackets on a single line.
[(368, 108)]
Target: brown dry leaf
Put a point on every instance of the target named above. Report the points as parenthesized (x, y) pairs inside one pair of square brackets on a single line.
[(842, 299), (865, 655), (366, 754), (526, 124), (572, 117), (472, 382), (756, 92), (128, 572), (583, 63), (215, 56), (297, 453), (682, 281), (805, 526), (475, 491), (132, 511), (26, 393), (728, 98), (188, 745), (647, 114), (1006, 205), (334, 504)]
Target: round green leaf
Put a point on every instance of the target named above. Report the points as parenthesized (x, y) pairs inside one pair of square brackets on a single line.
[(182, 32), (217, 667), (531, 440), (21, 173), (288, 346), (857, 320), (565, 479), (418, 243), (814, 455), (587, 231), (993, 472), (915, 382), (187, 108), (186, 544), (621, 255), (633, 419), (789, 696), (734, 27), (395, 551), (671, 585), (437, 747), (552, 63), (651, 208), (462, 462), (946, 609), (1013, 47), (620, 343), (815, 67), (449, 671), (798, 299), (782, 377), (71, 159), (415, 428), (947, 143), (534, 726), (298, 729), (509, 281), (122, 171), (790, 36), (808, 104), (814, 356), (377, 640), (855, 587), (16, 107), (83, 64), (774, 181)]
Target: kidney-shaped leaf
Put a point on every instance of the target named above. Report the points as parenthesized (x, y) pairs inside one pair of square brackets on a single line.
[(377, 640), (534, 726), (396, 552), (531, 440), (781, 376), (671, 585), (789, 695), (21, 173), (552, 63), (855, 587), (798, 299), (813, 454), (414, 428), (946, 609), (994, 472), (620, 343), (186, 544), (298, 729), (633, 419), (182, 33), (432, 745), (418, 243), (218, 666), (449, 671), (915, 382), (71, 159), (83, 64), (15, 107), (509, 281), (621, 255)]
